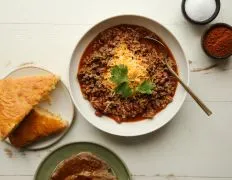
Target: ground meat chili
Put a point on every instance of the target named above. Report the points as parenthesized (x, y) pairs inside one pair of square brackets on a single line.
[(218, 41), (94, 63)]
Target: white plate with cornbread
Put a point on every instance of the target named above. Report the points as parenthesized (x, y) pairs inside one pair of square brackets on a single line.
[(36, 109)]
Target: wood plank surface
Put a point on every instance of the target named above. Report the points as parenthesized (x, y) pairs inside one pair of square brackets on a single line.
[(191, 147)]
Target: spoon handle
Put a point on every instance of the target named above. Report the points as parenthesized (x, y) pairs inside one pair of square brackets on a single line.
[(194, 96)]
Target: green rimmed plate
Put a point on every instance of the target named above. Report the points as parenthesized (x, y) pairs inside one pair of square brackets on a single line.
[(50, 162)]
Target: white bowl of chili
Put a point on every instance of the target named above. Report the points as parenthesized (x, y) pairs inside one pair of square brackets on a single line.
[(84, 88)]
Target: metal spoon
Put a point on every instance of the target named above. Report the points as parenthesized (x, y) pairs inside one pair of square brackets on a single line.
[(194, 96)]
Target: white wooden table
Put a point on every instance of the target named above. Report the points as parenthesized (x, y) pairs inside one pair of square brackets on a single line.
[(191, 147)]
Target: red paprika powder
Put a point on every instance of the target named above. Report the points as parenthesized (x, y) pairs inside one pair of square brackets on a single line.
[(218, 41)]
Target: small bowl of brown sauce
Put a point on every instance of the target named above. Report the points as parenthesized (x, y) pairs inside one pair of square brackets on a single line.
[(217, 41)]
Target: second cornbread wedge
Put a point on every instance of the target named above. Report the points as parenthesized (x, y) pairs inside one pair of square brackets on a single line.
[(38, 124)]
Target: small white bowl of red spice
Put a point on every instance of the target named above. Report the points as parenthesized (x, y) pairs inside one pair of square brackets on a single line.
[(217, 41)]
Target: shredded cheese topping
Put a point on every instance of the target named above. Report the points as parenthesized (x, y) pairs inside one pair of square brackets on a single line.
[(137, 70)]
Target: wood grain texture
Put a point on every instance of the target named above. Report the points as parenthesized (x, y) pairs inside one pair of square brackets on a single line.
[(72, 12), (191, 147)]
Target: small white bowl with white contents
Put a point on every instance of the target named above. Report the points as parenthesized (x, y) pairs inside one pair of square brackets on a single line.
[(200, 11)]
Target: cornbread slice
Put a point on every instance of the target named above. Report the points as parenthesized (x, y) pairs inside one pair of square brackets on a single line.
[(18, 96), (38, 124)]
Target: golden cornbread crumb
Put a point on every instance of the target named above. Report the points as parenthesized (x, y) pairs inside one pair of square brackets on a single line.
[(38, 124)]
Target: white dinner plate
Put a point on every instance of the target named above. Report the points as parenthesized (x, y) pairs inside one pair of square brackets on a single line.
[(60, 104), (134, 128)]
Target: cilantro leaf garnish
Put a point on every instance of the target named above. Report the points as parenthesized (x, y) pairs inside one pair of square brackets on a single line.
[(124, 89), (119, 74), (146, 87)]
